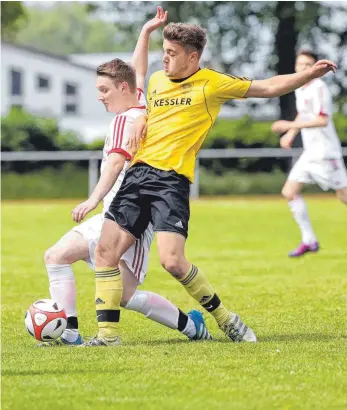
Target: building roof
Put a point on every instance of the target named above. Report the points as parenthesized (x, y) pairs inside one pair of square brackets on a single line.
[(94, 59), (57, 57)]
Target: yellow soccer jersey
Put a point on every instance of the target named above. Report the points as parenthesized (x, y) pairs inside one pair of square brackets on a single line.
[(180, 115)]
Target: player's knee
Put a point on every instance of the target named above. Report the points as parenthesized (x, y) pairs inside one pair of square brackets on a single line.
[(288, 194), (173, 264), (104, 255), (55, 256)]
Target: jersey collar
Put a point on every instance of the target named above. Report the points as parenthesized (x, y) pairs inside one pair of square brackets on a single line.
[(180, 80)]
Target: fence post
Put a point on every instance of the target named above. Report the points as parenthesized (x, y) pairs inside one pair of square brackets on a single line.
[(194, 188), (93, 172)]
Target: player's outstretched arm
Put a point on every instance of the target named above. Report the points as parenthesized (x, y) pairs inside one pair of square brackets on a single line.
[(108, 178), (140, 56), (284, 84)]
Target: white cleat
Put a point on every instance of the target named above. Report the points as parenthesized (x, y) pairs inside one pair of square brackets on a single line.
[(98, 341), (238, 331)]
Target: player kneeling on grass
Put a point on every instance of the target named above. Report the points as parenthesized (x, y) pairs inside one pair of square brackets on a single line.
[(321, 162), (117, 84)]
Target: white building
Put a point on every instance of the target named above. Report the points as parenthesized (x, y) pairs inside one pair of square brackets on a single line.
[(54, 86)]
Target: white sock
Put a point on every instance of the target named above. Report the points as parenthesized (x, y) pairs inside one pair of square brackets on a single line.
[(190, 329), (300, 214), (62, 288), (160, 310)]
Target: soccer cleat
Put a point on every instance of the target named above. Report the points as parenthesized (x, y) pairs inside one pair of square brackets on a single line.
[(99, 341), (236, 330), (201, 330), (62, 342), (304, 248)]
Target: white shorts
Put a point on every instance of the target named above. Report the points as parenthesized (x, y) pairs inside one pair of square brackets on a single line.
[(327, 173), (136, 257)]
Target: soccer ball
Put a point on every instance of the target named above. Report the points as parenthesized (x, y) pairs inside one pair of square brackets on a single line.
[(45, 320)]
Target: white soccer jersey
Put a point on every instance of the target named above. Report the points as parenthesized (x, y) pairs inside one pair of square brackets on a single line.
[(117, 139), (312, 100)]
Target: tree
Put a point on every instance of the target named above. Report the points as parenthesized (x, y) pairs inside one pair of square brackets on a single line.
[(68, 27), (13, 16)]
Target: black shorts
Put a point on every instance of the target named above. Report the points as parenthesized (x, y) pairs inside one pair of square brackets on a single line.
[(149, 194)]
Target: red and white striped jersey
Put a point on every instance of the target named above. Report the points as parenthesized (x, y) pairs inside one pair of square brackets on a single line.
[(117, 139), (314, 99)]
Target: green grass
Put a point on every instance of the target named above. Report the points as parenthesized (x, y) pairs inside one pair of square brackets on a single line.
[(296, 307)]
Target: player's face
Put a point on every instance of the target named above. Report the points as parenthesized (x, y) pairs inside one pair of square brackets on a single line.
[(177, 60), (110, 95), (303, 62)]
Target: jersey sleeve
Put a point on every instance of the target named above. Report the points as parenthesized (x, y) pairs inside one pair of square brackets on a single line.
[(141, 97), (227, 87), (119, 135), (322, 102)]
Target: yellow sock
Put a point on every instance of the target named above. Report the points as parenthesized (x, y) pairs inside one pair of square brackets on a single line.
[(198, 286), (108, 295)]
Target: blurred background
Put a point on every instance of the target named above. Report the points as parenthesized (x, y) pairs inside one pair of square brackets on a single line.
[(50, 51)]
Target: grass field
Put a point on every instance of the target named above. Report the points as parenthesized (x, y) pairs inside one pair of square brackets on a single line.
[(296, 307)]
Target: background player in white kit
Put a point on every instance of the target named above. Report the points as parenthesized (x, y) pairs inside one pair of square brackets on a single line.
[(116, 82), (321, 161)]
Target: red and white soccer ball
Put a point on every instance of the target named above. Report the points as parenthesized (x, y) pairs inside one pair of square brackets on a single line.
[(45, 320)]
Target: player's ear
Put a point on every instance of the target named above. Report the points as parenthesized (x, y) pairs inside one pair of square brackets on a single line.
[(124, 86), (194, 56)]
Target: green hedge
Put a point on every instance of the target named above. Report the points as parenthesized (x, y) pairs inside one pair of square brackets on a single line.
[(247, 132), (67, 182), (22, 131), (241, 183), (72, 182)]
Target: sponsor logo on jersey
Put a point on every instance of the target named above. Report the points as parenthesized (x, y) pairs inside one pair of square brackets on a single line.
[(163, 102), (187, 88)]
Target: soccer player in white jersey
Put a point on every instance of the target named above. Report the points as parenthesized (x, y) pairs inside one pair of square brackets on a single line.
[(116, 83), (321, 161)]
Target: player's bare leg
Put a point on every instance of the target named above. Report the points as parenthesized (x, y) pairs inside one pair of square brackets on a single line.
[(342, 195), (292, 192), (171, 253), (71, 248)]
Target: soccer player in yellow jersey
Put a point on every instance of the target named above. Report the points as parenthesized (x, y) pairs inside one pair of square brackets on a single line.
[(183, 103)]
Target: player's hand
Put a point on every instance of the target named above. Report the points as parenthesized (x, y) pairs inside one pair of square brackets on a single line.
[(159, 19), (281, 126), (286, 141), (322, 67), (137, 132), (81, 210)]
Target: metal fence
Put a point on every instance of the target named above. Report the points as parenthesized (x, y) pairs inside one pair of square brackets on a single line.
[(93, 157)]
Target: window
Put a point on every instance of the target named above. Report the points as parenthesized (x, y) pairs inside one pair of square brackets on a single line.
[(42, 82), (70, 89), (16, 82), (71, 108)]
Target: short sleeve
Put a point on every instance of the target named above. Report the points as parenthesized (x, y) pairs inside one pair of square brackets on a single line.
[(227, 87), (141, 97), (322, 102), (120, 136)]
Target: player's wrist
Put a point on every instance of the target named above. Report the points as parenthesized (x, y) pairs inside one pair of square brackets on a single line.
[(94, 200), (147, 30)]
